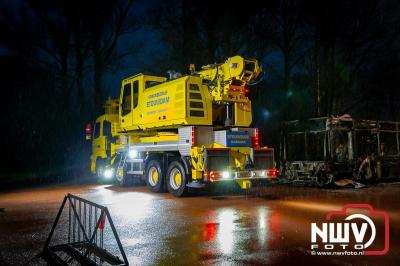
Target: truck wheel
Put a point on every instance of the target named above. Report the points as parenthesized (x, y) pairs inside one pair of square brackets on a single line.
[(99, 169), (176, 179), (154, 176), (122, 180)]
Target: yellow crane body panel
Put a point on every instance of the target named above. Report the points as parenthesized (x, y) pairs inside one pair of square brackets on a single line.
[(183, 101)]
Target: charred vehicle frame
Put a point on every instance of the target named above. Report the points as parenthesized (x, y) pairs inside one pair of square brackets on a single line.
[(328, 148)]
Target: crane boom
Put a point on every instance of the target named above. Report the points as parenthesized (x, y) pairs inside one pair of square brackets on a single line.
[(230, 78)]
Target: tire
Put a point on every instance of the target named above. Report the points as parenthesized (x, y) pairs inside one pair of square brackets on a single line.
[(176, 179), (123, 180), (99, 169), (154, 176)]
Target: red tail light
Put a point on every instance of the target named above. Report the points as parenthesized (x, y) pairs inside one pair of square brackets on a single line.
[(218, 175), (273, 173), (255, 142), (193, 136), (88, 130)]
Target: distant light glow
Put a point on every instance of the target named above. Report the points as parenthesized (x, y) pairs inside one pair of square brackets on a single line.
[(266, 114), (289, 93)]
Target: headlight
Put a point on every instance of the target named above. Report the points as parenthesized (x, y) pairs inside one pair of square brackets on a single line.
[(225, 175), (108, 173), (132, 154)]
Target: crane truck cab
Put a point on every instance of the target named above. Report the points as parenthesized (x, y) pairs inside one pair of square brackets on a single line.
[(105, 141)]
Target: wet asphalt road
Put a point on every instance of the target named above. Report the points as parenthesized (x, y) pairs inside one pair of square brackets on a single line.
[(269, 226)]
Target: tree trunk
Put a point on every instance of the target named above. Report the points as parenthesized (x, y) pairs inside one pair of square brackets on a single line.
[(286, 48), (317, 75), (79, 74), (98, 73), (64, 81)]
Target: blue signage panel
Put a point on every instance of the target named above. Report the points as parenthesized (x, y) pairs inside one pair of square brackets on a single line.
[(237, 139)]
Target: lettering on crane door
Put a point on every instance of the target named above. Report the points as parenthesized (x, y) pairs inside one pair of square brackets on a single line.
[(158, 101)]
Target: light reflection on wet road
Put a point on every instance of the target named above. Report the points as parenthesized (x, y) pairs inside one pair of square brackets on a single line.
[(272, 227)]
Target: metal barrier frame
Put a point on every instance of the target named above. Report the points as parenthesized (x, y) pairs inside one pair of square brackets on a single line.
[(89, 242)]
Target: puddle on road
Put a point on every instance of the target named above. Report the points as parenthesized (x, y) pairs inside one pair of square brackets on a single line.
[(227, 233)]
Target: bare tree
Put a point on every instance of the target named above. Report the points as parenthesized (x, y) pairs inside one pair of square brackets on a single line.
[(107, 24)]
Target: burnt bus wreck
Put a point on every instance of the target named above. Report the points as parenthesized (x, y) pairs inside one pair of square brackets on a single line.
[(329, 148)]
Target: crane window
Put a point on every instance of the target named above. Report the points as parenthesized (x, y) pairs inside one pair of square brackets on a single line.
[(151, 83), (126, 99), (135, 93)]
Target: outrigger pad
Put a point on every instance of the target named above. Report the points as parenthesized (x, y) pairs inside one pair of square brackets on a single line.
[(83, 233)]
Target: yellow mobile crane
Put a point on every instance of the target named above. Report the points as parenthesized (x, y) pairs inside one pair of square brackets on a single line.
[(194, 129), (188, 131)]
